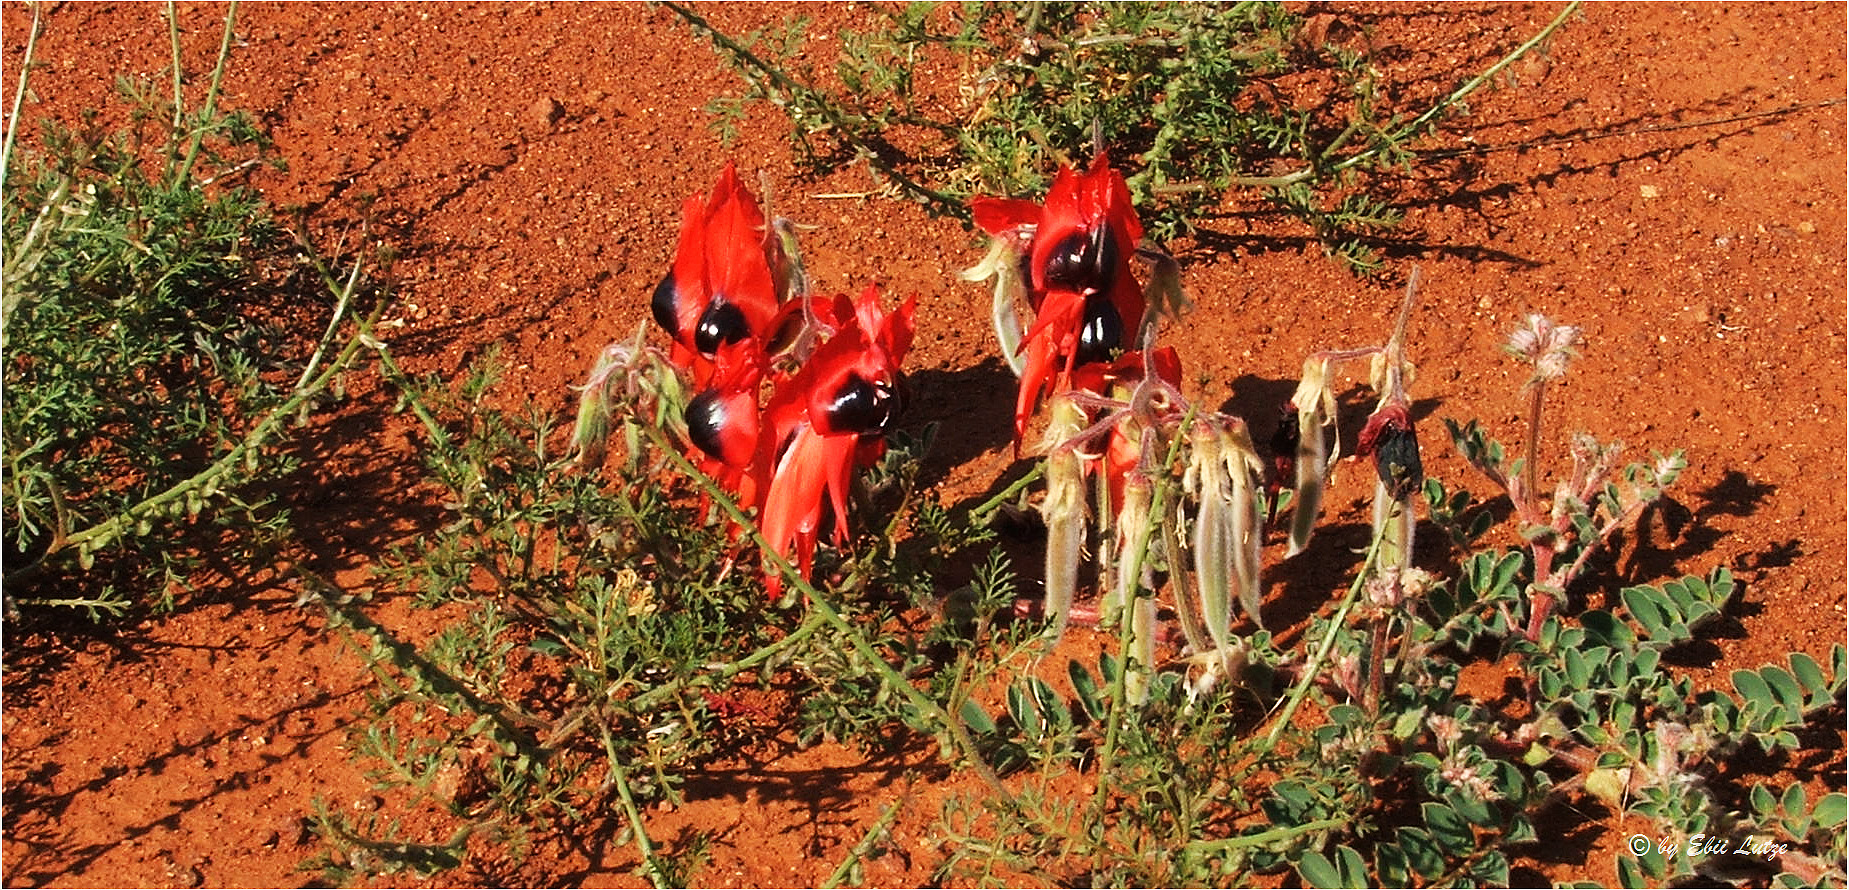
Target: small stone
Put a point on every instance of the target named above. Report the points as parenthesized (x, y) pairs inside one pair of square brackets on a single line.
[(544, 113), (296, 830), (1649, 191), (537, 120)]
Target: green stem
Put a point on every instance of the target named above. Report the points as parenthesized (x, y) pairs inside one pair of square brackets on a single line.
[(179, 91), (1158, 498), (1530, 473), (19, 93), (211, 94), (620, 777), (844, 872), (1265, 838), (104, 533), (1458, 94), (840, 125), (1380, 146), (983, 512), (344, 295), (1310, 668)]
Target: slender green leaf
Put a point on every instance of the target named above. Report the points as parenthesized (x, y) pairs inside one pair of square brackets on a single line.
[(1086, 689)]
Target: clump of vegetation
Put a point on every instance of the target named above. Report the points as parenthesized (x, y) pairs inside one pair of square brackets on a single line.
[(1188, 93), (1401, 778), (606, 643), (143, 403)]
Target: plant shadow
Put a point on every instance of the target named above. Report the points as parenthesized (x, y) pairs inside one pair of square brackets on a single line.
[(972, 408)]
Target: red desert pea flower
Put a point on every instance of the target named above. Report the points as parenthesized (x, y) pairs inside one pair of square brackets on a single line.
[(721, 289), (795, 394), (1076, 249), (829, 420)]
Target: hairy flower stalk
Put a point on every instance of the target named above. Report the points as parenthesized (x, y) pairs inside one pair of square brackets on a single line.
[(1246, 471), (1548, 347)]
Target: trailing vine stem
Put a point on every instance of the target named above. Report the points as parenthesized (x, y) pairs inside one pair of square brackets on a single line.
[(840, 124)]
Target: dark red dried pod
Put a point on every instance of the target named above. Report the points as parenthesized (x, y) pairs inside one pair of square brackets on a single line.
[(1283, 444), (1389, 437)]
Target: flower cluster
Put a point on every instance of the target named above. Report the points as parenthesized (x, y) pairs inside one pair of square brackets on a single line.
[(1117, 409), (793, 393), (1072, 256)]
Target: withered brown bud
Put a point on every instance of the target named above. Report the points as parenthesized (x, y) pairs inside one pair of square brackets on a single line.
[(1389, 437)]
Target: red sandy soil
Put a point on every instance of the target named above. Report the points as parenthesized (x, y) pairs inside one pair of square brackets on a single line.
[(1670, 177)]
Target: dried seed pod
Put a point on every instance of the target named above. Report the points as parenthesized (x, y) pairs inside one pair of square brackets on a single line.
[(1133, 528), (1224, 475), (1213, 532), (1246, 472), (1132, 532), (1315, 406), (1064, 513)]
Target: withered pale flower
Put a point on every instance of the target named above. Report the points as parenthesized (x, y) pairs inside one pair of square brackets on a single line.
[(1314, 407), (1223, 475)]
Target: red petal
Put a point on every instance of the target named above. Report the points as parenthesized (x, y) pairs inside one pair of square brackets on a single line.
[(1004, 216), (690, 294), (1058, 220), (814, 466), (1168, 365), (1035, 376), (734, 252), (1107, 202)]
